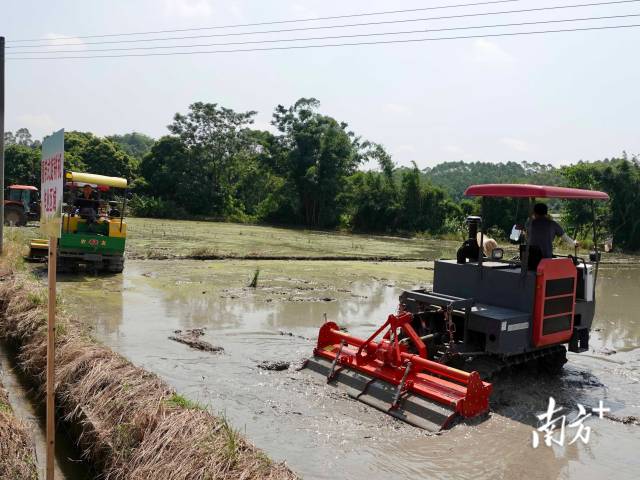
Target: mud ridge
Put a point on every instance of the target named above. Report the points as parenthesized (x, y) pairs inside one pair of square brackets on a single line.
[(299, 258), (128, 423), (190, 338), (17, 453)]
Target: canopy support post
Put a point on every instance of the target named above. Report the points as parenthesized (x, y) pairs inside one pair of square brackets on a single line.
[(595, 242)]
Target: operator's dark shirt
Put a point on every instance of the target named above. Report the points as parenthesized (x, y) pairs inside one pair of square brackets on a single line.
[(542, 232), (82, 202)]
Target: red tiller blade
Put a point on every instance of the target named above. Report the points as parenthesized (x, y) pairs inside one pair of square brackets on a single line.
[(413, 409), (420, 392)]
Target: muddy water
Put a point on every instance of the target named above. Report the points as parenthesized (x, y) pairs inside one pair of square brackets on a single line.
[(320, 432), (67, 462)]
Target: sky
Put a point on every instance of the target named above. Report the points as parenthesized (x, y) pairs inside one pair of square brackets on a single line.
[(554, 98)]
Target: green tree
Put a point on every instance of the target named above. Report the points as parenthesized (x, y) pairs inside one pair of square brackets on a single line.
[(215, 138), (423, 207), (316, 155), (164, 172), (86, 152), (22, 136), (22, 165), (134, 144), (373, 196), (620, 217), (105, 157), (455, 177)]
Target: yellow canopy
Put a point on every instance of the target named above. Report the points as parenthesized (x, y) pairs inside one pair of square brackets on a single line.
[(97, 179)]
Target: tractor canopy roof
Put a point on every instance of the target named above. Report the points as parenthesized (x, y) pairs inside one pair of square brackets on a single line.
[(23, 187), (94, 179), (516, 190)]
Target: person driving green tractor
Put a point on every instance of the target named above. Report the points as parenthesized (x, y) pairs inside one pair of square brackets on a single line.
[(87, 204)]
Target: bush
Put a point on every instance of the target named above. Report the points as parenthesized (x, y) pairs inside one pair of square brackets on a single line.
[(154, 207)]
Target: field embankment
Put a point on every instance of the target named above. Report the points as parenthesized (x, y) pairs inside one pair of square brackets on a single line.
[(128, 422), (159, 239)]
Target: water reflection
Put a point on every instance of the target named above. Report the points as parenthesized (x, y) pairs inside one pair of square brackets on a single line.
[(618, 301)]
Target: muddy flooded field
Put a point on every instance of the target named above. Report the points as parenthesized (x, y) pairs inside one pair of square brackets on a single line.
[(319, 431)]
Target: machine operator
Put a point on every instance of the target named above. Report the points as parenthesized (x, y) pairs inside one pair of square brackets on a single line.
[(87, 204), (542, 231)]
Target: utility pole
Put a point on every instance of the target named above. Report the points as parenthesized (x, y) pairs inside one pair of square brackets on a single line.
[(2, 141)]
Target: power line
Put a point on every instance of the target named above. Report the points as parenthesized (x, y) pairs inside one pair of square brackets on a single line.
[(406, 32), (384, 22), (275, 22), (300, 47)]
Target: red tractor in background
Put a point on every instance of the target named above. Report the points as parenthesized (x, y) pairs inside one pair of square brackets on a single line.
[(21, 205)]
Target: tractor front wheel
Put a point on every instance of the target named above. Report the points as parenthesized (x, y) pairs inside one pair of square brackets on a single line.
[(14, 216)]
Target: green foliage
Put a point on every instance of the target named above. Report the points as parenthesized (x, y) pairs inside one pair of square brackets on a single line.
[(22, 137), (455, 177), (213, 165), (374, 202), (619, 218), (213, 140), (87, 153), (22, 165), (155, 207), (135, 144), (501, 214), (5, 407), (423, 207), (179, 401), (315, 154)]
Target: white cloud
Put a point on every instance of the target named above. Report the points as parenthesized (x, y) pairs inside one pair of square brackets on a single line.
[(515, 144), (39, 124), (56, 39), (188, 8), (397, 108), (489, 52)]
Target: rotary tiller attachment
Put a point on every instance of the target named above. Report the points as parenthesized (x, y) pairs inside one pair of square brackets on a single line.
[(386, 376)]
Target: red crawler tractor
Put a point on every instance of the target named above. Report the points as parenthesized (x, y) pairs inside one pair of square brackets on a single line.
[(431, 362)]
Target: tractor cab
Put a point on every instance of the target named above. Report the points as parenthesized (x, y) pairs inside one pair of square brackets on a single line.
[(21, 204), (93, 228), (430, 362), (526, 303), (24, 194)]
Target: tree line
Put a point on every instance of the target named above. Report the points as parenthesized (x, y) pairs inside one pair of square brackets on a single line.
[(309, 172)]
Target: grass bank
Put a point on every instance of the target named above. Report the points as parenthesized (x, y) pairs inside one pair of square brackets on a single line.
[(17, 455), (128, 422)]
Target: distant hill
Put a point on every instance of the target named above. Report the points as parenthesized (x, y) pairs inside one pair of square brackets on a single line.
[(455, 177)]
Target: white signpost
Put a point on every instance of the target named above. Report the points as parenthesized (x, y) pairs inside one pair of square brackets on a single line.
[(52, 182)]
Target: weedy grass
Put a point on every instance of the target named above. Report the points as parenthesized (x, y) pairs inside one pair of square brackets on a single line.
[(130, 424), (158, 239), (254, 281), (179, 401)]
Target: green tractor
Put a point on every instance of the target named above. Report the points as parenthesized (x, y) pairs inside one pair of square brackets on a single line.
[(93, 229)]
